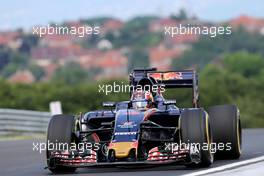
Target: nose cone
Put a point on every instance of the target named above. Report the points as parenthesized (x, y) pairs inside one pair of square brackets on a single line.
[(122, 149)]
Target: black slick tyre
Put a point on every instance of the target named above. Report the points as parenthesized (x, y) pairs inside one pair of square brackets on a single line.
[(59, 131), (195, 130), (226, 127)]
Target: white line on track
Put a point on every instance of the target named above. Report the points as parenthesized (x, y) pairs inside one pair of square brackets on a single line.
[(226, 167)]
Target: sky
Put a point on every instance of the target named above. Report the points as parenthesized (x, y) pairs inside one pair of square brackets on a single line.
[(25, 14)]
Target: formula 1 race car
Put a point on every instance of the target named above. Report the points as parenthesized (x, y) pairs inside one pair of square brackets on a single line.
[(146, 130)]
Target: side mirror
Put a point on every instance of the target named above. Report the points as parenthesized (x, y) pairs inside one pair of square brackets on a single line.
[(169, 102), (109, 104)]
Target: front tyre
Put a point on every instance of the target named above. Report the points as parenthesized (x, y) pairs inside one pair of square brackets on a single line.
[(60, 130), (195, 130)]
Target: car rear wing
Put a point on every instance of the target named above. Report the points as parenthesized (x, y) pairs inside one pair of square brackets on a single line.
[(170, 79)]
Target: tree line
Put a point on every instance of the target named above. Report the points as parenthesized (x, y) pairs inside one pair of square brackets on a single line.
[(237, 78)]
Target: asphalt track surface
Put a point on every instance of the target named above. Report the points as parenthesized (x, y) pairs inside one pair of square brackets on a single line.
[(18, 158)]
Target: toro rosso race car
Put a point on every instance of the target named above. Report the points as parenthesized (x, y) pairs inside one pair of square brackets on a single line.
[(146, 130)]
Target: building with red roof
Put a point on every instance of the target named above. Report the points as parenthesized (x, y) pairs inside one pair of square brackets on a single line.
[(12, 39), (162, 57), (22, 76), (160, 24), (112, 25), (112, 63), (249, 23), (180, 40)]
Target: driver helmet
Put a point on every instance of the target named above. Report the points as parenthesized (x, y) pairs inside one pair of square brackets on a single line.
[(142, 100)]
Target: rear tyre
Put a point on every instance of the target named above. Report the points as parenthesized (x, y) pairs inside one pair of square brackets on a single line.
[(226, 127), (60, 131), (195, 129)]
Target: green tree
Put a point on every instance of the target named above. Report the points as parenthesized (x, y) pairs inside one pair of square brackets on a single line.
[(28, 42), (138, 58), (135, 33), (209, 49), (37, 71), (70, 74), (182, 15), (17, 61), (4, 56), (244, 63), (235, 82)]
